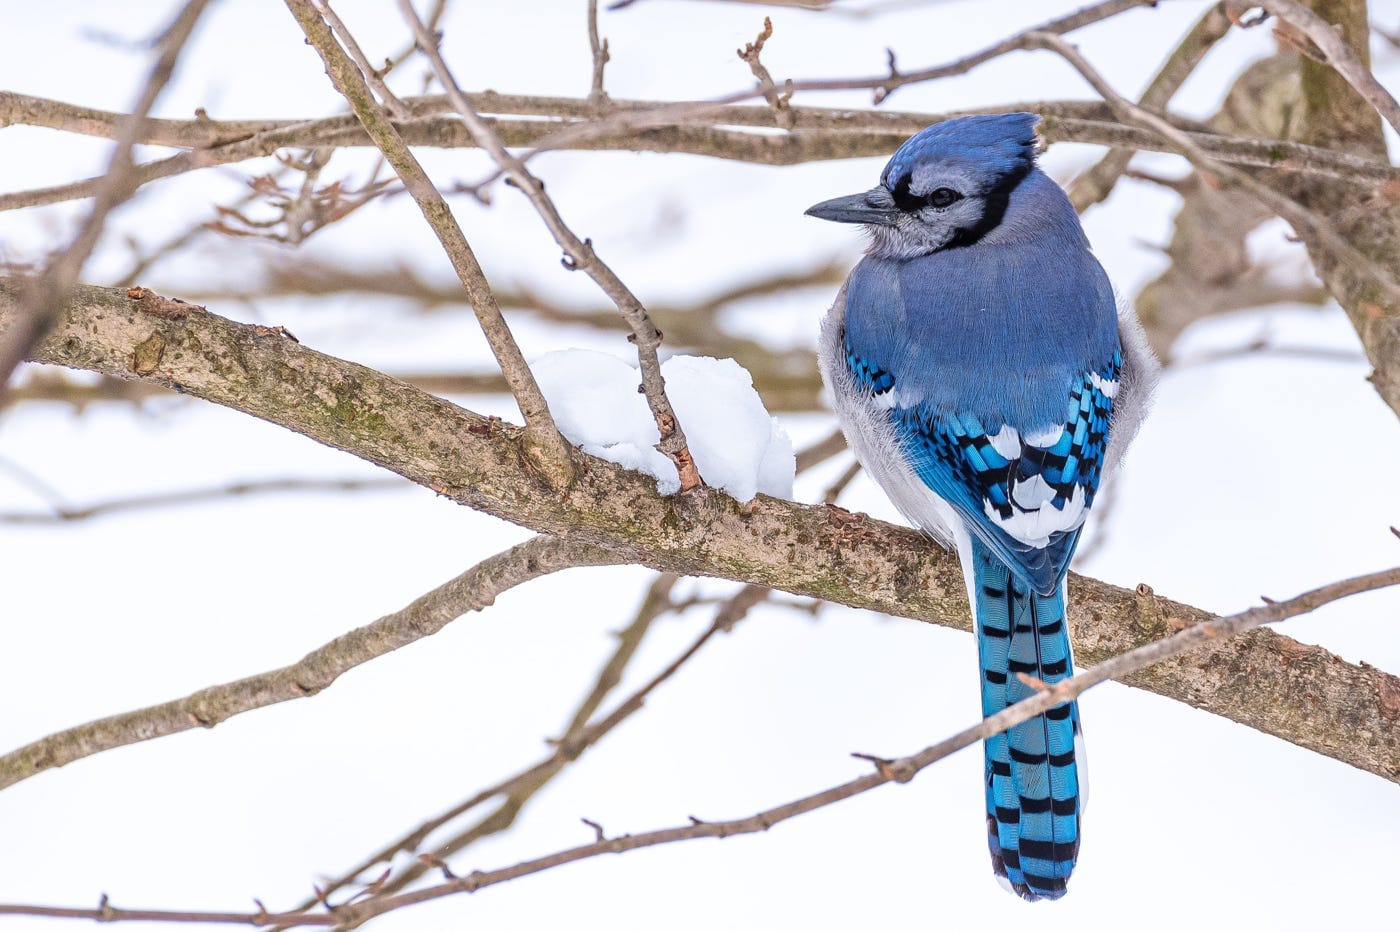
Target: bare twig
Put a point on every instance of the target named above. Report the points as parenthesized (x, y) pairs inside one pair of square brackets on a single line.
[(833, 491), (821, 451), (601, 56), (61, 514), (547, 448), (472, 591), (750, 54), (579, 255), (729, 613), (48, 292), (900, 770), (374, 77), (882, 85), (520, 787)]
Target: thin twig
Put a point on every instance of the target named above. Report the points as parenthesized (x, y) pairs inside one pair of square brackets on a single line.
[(601, 56), (833, 491), (750, 54), (883, 85), (374, 77), (472, 591), (579, 255), (729, 613), (520, 787), (546, 446), (63, 514), (821, 451)]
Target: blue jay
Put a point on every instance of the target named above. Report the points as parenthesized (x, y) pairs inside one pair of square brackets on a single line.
[(986, 380)]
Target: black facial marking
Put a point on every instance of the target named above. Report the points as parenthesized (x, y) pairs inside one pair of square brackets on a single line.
[(902, 198), (994, 203), (908, 202), (993, 209)]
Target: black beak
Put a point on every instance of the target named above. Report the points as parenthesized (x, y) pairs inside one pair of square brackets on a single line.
[(854, 208)]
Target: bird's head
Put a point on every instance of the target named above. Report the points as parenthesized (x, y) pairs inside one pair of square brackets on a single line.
[(947, 186)]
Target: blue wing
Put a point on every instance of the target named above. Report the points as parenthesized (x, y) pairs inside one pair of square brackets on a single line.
[(1023, 493)]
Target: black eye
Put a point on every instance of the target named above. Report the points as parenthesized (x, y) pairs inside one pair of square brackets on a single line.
[(942, 197)]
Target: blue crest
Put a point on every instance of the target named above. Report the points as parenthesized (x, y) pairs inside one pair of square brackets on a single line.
[(1001, 144)]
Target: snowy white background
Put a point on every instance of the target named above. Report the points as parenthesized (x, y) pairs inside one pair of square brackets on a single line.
[(1263, 475)]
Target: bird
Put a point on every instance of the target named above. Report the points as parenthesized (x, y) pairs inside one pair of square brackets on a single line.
[(985, 376)]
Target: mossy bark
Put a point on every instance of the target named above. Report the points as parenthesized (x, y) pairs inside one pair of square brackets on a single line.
[(1264, 680)]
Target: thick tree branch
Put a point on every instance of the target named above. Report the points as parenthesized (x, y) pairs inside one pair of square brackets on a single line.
[(1300, 693)]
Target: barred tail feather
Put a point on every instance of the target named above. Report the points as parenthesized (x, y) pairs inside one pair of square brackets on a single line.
[(1033, 794)]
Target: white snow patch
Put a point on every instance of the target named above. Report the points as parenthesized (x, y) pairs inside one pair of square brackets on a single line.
[(738, 446)]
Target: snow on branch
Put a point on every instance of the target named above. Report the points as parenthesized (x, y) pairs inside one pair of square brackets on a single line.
[(1300, 693)]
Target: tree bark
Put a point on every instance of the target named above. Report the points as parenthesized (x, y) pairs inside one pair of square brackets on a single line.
[(1337, 117), (1264, 680)]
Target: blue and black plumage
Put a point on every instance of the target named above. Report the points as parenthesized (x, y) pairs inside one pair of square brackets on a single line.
[(982, 371)]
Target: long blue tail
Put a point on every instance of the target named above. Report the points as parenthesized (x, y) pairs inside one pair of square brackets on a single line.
[(1032, 780)]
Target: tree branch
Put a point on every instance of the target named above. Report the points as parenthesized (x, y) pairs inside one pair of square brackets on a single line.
[(1300, 693), (902, 770), (48, 292), (1339, 55), (599, 49), (546, 449), (579, 256), (427, 615), (1334, 115), (1095, 184), (817, 134)]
